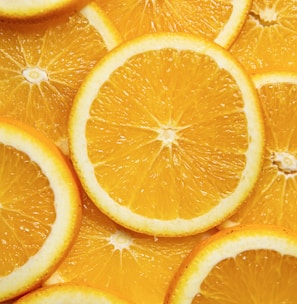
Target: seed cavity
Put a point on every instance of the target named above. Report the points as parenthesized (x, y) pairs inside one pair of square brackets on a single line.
[(35, 75), (265, 17), (286, 162)]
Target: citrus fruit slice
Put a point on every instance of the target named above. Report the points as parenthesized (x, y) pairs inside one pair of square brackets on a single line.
[(135, 266), (273, 200), (240, 265), (268, 38), (158, 146), (29, 10), (70, 293), (42, 65), (217, 20), (40, 208)]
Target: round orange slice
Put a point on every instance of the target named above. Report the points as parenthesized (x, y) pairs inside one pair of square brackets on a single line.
[(42, 64), (166, 134), (108, 256), (70, 293), (242, 265), (29, 10), (273, 199), (268, 38), (219, 20), (40, 208)]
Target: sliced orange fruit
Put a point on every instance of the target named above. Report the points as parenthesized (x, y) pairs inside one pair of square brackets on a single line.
[(219, 20), (70, 293), (42, 65), (158, 146), (29, 10), (273, 200), (40, 208), (137, 267), (268, 38), (240, 265)]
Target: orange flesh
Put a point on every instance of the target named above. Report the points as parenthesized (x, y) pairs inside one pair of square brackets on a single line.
[(135, 266), (254, 276), (269, 36), (26, 209), (134, 18), (174, 138), (57, 53), (273, 200)]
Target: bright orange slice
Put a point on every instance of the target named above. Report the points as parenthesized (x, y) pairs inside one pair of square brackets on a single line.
[(240, 265), (219, 20), (137, 267), (273, 200), (70, 293), (158, 146), (29, 10), (268, 39), (42, 65), (39, 211)]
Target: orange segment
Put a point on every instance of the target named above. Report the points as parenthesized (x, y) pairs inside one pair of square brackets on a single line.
[(268, 38), (39, 210), (135, 266), (161, 148), (70, 293), (219, 20), (240, 265), (273, 198), (42, 65)]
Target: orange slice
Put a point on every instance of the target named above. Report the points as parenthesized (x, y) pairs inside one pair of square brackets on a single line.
[(29, 10), (273, 200), (39, 211), (43, 64), (137, 267), (268, 38), (70, 293), (158, 146), (219, 20), (240, 265)]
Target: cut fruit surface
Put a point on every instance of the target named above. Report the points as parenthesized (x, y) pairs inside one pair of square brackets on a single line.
[(42, 65), (158, 146), (241, 265), (29, 10), (135, 266), (217, 20), (269, 36), (40, 208), (273, 200), (70, 293)]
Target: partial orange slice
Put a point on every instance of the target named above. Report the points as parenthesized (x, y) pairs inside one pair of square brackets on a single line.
[(219, 20), (267, 41), (273, 200), (43, 64), (39, 211), (70, 293), (137, 267), (29, 10), (240, 265), (158, 146)]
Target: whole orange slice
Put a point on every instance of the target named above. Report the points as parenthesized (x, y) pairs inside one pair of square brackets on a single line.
[(166, 134)]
